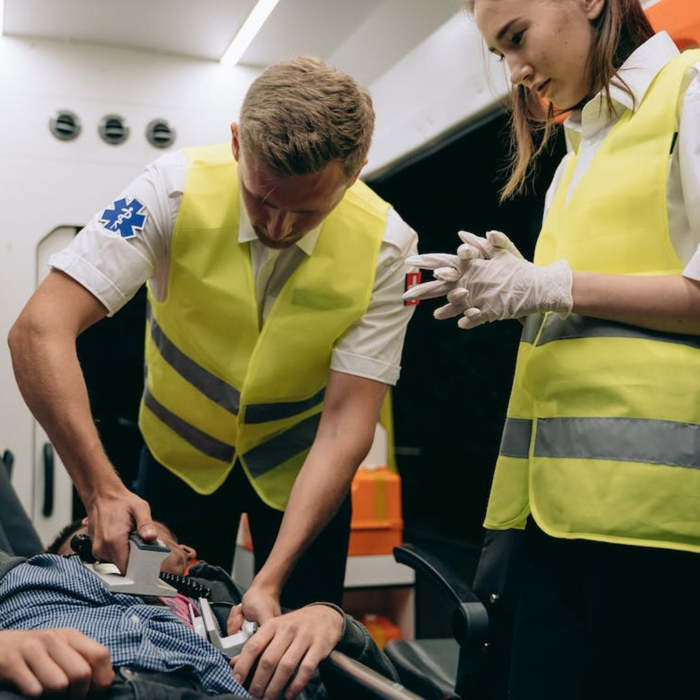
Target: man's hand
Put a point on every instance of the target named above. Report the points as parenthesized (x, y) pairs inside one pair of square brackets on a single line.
[(297, 641), (54, 661), (111, 517), (259, 605)]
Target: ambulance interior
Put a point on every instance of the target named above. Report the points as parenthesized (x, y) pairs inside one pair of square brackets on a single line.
[(94, 90)]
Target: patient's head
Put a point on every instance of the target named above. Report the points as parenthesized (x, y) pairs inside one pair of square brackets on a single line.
[(180, 557)]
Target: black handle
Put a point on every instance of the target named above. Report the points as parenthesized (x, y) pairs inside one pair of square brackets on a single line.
[(47, 508), (8, 459)]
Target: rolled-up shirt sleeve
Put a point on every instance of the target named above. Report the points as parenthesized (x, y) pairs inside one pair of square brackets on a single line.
[(112, 266), (371, 348)]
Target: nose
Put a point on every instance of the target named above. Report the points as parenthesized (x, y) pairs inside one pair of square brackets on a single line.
[(521, 72), (279, 224)]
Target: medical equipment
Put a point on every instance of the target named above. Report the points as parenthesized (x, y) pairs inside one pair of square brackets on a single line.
[(231, 645), (143, 570)]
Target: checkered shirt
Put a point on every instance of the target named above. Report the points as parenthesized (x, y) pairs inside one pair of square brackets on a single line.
[(49, 591)]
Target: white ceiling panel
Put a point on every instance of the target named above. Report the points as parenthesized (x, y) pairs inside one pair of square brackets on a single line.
[(202, 28), (390, 31), (362, 37), (306, 27)]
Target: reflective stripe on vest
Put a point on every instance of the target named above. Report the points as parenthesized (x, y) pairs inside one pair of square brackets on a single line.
[(221, 393), (220, 387), (641, 440), (206, 444), (602, 438)]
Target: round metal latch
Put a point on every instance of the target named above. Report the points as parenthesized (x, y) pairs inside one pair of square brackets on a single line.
[(159, 133), (65, 125), (113, 129)]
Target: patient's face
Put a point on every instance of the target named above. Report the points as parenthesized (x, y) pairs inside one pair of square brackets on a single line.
[(175, 563)]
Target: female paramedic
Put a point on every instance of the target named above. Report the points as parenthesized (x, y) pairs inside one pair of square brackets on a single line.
[(600, 456)]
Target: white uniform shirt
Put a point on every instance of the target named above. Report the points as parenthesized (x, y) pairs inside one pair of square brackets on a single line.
[(113, 268), (593, 124)]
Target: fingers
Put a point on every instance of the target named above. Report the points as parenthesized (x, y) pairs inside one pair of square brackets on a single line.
[(21, 676), (458, 299), (255, 646), (428, 290), (447, 274), (499, 240), (447, 311), (76, 669), (111, 520), (474, 246), (47, 672), (472, 318), (306, 670), (431, 261), (144, 522), (98, 658), (235, 620), (55, 661), (277, 664)]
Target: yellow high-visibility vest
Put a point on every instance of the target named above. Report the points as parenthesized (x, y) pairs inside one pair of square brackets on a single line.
[(602, 438), (218, 386)]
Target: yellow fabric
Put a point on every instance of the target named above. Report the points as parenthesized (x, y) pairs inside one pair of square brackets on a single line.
[(211, 315), (615, 222), (386, 418)]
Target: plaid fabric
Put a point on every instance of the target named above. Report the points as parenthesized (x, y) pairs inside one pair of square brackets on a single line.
[(48, 591)]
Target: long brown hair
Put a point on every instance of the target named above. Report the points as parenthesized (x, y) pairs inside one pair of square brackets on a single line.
[(620, 28)]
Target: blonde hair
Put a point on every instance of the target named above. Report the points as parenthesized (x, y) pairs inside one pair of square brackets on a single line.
[(620, 28), (301, 114)]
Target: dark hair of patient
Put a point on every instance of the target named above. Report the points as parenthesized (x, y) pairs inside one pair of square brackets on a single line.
[(62, 536)]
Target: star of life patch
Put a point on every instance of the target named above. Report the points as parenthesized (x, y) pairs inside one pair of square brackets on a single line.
[(126, 217)]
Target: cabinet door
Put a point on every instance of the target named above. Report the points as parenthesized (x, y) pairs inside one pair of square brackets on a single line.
[(52, 506)]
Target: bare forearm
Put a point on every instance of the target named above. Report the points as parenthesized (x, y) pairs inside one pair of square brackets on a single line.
[(318, 491), (664, 303), (49, 377)]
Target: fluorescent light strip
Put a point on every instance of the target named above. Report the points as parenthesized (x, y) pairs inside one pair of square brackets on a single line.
[(2, 16), (249, 29)]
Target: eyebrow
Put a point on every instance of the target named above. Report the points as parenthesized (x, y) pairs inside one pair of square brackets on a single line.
[(504, 29)]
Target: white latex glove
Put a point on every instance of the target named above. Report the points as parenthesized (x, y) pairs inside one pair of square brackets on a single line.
[(473, 248), (485, 246), (447, 269), (506, 286)]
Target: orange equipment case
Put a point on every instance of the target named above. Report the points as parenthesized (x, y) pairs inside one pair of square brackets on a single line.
[(376, 526)]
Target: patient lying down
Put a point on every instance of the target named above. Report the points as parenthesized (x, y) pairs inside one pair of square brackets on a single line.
[(63, 629)]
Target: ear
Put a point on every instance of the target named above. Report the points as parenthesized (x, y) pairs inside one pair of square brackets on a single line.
[(593, 8), (235, 144), (190, 552)]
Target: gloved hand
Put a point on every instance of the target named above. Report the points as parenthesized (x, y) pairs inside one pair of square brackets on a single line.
[(448, 269), (485, 246), (473, 248), (506, 286)]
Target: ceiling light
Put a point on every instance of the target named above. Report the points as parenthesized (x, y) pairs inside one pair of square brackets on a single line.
[(2, 16), (245, 35)]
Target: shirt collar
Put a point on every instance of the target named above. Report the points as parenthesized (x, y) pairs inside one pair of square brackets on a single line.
[(638, 71), (246, 233)]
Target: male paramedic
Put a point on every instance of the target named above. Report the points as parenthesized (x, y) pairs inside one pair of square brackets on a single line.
[(275, 325)]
